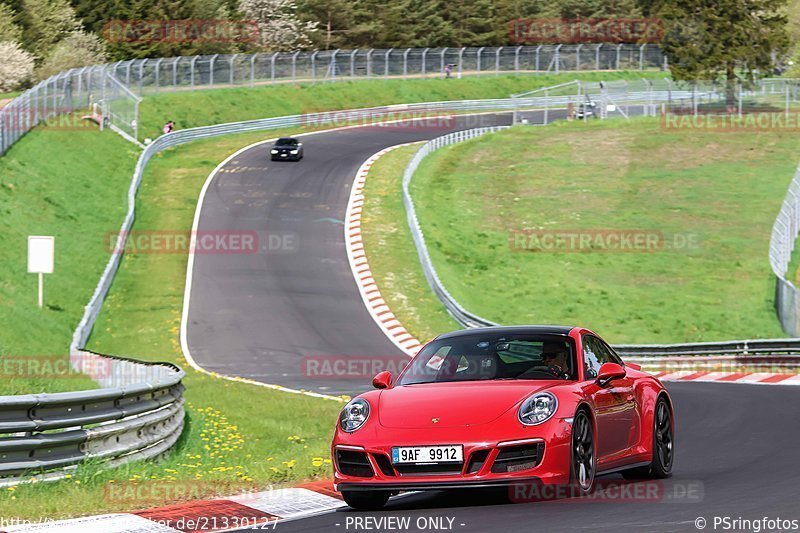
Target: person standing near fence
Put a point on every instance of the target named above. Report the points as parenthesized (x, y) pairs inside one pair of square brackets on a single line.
[(169, 127), (447, 70)]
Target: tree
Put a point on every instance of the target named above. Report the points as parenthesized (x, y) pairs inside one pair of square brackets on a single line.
[(46, 23), (78, 49), (712, 39), (279, 26), (16, 68), (9, 30)]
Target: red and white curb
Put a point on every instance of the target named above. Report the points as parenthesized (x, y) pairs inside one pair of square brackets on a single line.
[(357, 257), (752, 378), (260, 510)]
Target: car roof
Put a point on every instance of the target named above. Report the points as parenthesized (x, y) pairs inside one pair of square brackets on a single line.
[(511, 330)]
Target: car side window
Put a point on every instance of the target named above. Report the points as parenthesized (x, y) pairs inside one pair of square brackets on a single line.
[(594, 355)]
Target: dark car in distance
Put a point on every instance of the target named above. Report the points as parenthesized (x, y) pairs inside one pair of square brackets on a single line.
[(287, 149)]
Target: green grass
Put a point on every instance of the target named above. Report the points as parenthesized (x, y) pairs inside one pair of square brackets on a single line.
[(201, 108), (391, 252), (77, 193), (722, 188), (238, 435)]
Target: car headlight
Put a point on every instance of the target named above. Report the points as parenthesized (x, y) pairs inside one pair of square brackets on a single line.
[(354, 414), (538, 408), (273, 152), (294, 152)]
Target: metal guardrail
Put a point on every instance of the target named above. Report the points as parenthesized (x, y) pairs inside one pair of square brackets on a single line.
[(781, 247), (137, 415)]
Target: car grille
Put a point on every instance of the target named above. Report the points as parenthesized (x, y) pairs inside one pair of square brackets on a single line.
[(516, 458), (354, 464), (476, 461), (384, 464), (429, 470)]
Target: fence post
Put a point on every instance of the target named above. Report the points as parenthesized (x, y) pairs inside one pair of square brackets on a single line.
[(386, 62), (353, 63), (516, 59), (578, 57), (158, 73), (478, 59), (405, 62), (441, 70), (314, 65), (619, 48), (641, 56), (192, 69), (128, 73), (211, 70), (174, 72), (294, 66), (272, 67), (557, 58), (536, 65), (253, 69), (141, 75), (369, 62), (332, 65), (461, 62), (233, 58), (497, 61), (424, 56)]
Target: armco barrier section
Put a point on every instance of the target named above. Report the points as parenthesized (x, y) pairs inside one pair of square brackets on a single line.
[(781, 246), (137, 415)]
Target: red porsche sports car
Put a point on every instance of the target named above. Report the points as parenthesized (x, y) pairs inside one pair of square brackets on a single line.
[(487, 407)]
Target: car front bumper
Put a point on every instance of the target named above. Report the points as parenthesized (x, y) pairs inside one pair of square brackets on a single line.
[(551, 467)]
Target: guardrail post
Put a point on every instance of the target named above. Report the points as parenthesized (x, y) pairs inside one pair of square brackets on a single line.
[(386, 62)]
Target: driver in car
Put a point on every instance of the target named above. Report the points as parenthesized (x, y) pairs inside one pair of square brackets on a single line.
[(554, 355)]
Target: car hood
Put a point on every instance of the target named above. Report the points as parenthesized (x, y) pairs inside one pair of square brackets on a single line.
[(454, 404)]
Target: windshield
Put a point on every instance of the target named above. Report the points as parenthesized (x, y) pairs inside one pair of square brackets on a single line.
[(488, 356), (286, 142)]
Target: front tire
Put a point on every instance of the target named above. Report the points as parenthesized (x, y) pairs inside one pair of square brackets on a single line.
[(663, 446), (365, 501), (582, 462)]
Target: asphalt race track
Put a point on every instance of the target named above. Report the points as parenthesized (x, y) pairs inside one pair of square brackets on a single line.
[(262, 315)]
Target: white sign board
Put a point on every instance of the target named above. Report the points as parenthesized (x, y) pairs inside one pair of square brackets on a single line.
[(40, 254)]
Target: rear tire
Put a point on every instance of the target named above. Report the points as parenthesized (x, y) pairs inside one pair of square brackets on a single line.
[(365, 501), (582, 457), (663, 446)]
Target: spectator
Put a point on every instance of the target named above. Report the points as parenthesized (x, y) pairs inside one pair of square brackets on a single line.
[(169, 127), (447, 70)]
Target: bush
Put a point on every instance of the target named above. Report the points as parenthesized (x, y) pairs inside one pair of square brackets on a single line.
[(16, 68), (78, 49)]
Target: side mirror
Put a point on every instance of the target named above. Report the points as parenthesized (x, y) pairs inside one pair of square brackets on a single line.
[(382, 380), (633, 366), (609, 372)]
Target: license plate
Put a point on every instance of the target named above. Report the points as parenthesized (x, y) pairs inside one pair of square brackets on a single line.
[(428, 454)]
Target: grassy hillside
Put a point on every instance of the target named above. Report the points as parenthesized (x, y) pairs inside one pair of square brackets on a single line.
[(711, 196)]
